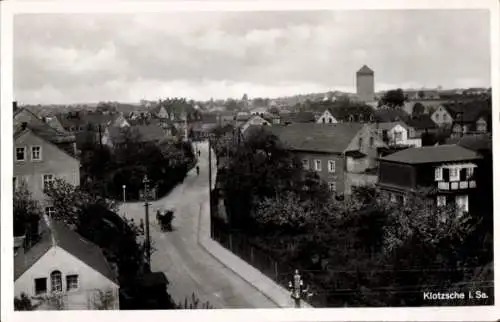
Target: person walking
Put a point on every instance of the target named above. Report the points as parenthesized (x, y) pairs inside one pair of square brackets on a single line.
[(197, 170)]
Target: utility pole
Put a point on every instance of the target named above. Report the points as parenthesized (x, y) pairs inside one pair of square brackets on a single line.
[(296, 288), (210, 171), (146, 206)]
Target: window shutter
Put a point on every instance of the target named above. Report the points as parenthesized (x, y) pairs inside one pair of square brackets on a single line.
[(463, 174), (446, 174)]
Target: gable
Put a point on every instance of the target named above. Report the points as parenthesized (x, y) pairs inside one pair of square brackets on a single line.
[(28, 138), (56, 258)]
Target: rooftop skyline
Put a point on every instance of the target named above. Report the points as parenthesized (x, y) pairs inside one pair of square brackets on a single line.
[(68, 58)]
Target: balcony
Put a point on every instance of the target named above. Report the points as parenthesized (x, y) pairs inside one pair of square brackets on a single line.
[(456, 185)]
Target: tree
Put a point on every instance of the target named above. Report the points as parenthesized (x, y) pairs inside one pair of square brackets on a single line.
[(69, 201), (27, 214), (418, 109), (421, 94), (394, 98)]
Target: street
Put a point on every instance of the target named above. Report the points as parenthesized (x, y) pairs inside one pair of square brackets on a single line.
[(189, 268)]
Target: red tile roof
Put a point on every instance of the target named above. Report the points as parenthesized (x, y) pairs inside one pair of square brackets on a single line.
[(432, 154)]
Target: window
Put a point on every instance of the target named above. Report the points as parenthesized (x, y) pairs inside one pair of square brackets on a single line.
[(305, 164), (438, 174), (40, 286), (15, 183), (71, 282), (56, 281), (48, 180), (398, 136), (36, 153), (331, 166), (372, 141), (323, 120), (317, 165), (50, 211), (441, 201), (20, 154), (462, 203), (330, 120), (333, 186), (454, 174), (470, 172), (360, 142)]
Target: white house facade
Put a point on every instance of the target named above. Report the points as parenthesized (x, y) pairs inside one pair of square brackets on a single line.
[(441, 116), (326, 117), (64, 268), (254, 120)]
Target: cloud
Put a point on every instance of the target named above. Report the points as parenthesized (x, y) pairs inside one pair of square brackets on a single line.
[(83, 57)]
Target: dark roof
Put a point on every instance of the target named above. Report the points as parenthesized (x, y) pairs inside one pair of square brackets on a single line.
[(312, 137), (365, 70), (147, 133), (390, 115), (299, 117), (69, 120), (476, 142), (470, 111), (359, 113), (41, 129), (421, 122), (58, 234), (432, 154)]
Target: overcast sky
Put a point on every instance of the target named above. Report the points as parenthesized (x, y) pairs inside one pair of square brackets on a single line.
[(88, 58)]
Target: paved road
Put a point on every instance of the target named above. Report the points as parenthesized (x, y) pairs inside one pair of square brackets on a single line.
[(187, 265)]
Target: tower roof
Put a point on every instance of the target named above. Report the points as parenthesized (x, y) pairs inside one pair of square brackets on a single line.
[(365, 70)]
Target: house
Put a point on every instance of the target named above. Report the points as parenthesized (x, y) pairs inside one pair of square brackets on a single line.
[(145, 133), (449, 170), (390, 115), (64, 266), (465, 117), (78, 121), (254, 120), (421, 124), (347, 113), (42, 154), (342, 154), (259, 111), (298, 117), (444, 115), (398, 134)]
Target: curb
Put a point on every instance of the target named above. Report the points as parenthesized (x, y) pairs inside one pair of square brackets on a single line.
[(274, 292)]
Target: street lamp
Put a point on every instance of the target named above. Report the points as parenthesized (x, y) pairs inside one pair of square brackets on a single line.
[(296, 288), (124, 198), (145, 181)]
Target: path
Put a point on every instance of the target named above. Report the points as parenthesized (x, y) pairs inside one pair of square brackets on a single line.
[(178, 254)]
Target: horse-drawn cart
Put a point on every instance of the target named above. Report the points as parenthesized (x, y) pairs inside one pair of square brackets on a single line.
[(165, 218)]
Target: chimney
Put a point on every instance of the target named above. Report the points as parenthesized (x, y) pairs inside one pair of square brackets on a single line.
[(14, 105)]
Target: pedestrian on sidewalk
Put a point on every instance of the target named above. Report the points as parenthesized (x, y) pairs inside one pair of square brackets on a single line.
[(141, 226), (197, 170), (199, 153)]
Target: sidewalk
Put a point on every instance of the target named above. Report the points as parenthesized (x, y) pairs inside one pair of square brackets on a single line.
[(264, 284)]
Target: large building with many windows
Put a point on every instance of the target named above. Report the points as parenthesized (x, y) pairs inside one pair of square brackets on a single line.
[(343, 154)]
